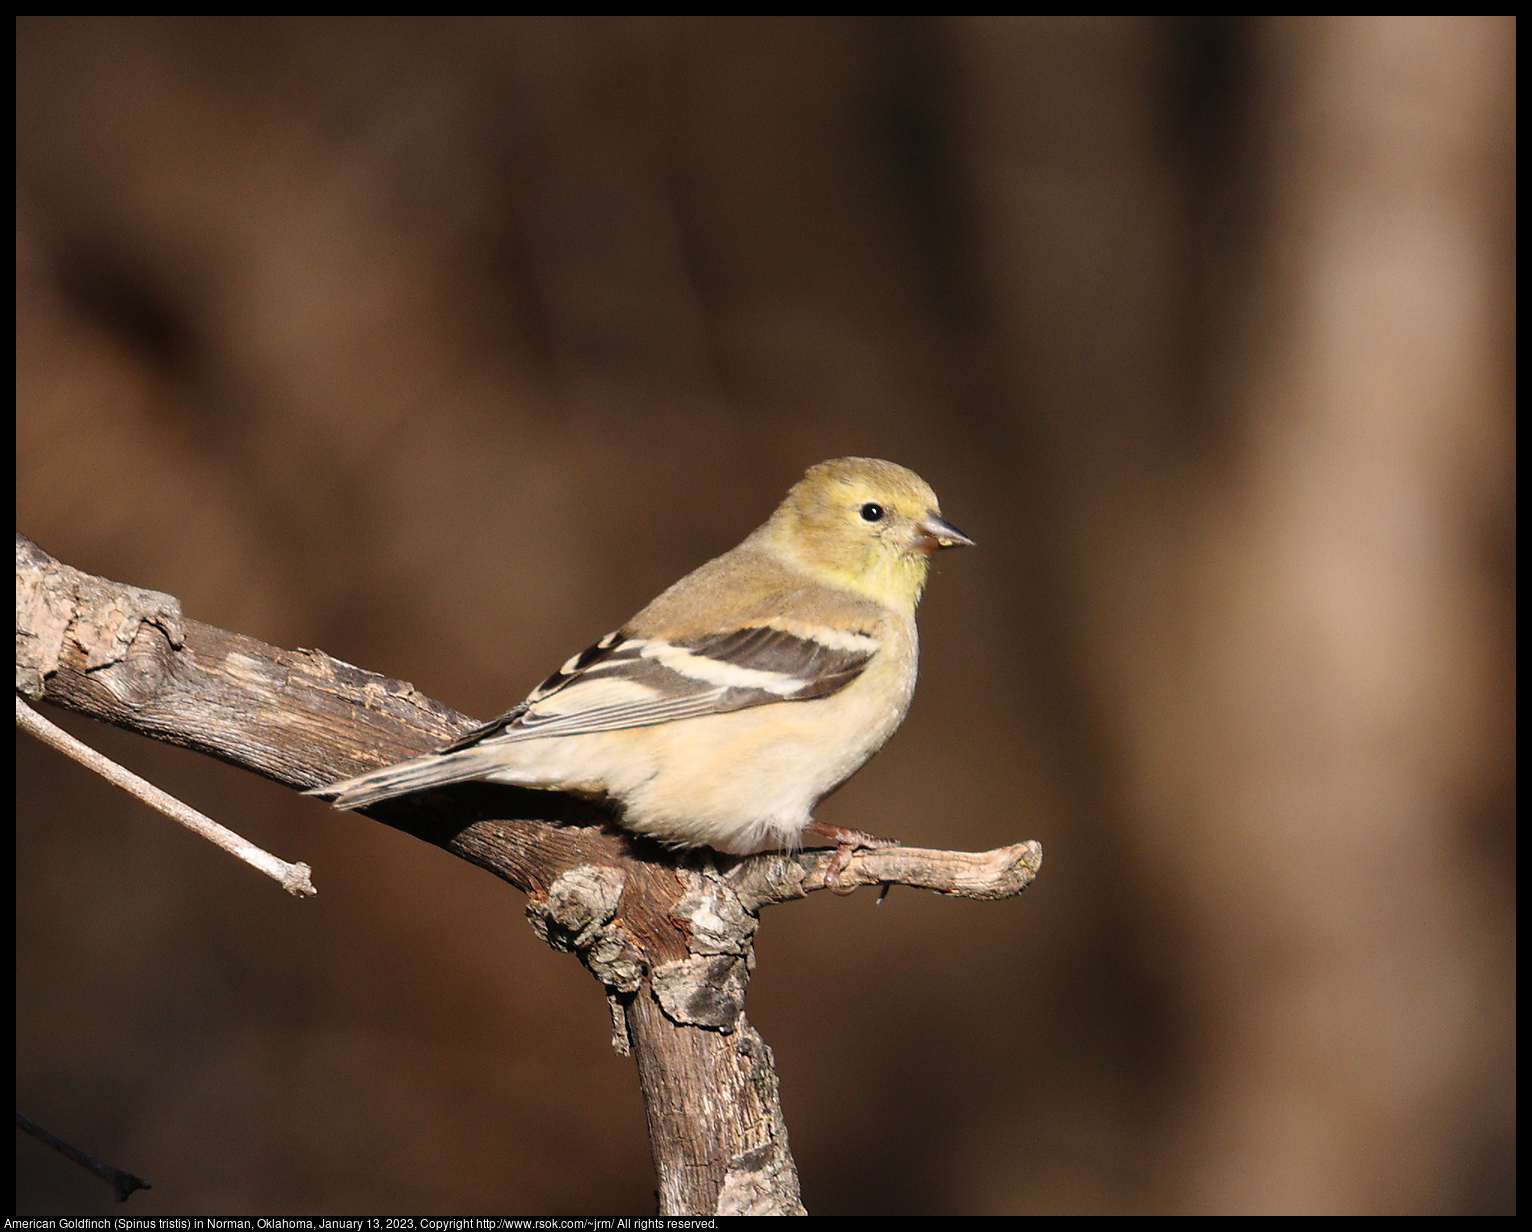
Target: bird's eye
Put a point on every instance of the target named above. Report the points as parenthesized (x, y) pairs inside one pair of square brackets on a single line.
[(872, 512)]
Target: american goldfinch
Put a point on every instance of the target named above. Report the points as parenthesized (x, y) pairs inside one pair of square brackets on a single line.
[(728, 708)]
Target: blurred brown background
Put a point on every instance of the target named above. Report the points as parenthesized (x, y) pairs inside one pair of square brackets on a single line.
[(444, 344)]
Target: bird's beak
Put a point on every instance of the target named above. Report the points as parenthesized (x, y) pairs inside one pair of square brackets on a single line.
[(933, 533)]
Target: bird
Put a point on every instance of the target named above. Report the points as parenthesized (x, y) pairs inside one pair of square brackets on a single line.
[(729, 707)]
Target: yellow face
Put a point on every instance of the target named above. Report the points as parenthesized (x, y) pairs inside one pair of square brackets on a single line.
[(871, 524)]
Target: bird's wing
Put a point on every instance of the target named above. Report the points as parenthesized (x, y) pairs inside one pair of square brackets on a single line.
[(625, 681)]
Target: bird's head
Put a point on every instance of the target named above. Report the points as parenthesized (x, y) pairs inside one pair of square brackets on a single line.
[(866, 524)]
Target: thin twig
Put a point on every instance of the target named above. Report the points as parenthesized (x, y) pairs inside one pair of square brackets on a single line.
[(294, 878), (122, 1183), (1000, 873), (779, 877)]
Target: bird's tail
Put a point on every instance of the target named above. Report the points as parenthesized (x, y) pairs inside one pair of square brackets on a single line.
[(432, 770)]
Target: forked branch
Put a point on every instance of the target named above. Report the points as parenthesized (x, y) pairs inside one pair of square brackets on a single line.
[(669, 936)]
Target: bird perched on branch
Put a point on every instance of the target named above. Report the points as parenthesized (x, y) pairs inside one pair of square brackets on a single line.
[(728, 708)]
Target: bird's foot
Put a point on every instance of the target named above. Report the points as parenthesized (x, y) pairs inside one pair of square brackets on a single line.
[(847, 843)]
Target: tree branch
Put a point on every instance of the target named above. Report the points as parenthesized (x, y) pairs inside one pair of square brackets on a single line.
[(669, 936), (294, 878), (124, 1184)]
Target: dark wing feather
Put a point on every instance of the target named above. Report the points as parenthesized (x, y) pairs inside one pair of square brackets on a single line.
[(659, 682), (570, 671)]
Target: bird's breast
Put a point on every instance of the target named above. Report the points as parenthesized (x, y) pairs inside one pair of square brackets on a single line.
[(750, 779)]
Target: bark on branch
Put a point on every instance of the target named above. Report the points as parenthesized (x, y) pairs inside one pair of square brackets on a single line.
[(669, 936)]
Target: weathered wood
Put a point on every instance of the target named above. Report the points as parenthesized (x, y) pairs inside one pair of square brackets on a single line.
[(668, 935)]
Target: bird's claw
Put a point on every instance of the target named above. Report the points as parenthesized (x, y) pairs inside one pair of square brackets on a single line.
[(837, 866), (847, 843)]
